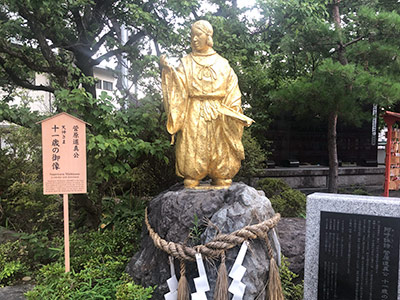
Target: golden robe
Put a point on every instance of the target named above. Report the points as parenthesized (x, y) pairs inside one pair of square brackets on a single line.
[(208, 140)]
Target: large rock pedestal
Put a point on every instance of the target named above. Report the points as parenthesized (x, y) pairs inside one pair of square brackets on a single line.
[(172, 213)]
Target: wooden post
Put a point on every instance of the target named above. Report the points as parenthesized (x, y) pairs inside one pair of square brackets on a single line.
[(66, 233)]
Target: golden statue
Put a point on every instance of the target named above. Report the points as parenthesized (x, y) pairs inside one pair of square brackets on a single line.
[(203, 103)]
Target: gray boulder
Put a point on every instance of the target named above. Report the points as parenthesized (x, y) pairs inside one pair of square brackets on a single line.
[(292, 237), (15, 292), (172, 215), (7, 235)]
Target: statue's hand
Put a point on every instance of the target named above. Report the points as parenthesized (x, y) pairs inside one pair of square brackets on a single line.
[(164, 63)]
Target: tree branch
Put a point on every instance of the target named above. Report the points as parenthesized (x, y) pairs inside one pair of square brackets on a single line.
[(133, 39), (28, 62), (44, 47), (354, 41), (101, 41), (343, 46), (157, 47), (21, 82), (79, 25)]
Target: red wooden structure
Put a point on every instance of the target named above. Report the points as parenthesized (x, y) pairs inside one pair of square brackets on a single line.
[(392, 161)]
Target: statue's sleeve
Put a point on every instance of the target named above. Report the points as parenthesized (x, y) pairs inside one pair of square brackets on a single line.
[(175, 97), (233, 95)]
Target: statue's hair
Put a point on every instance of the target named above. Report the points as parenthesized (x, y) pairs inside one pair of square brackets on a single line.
[(205, 27)]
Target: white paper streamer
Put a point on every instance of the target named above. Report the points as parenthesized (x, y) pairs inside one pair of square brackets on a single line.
[(278, 246), (201, 282), (172, 283), (237, 287)]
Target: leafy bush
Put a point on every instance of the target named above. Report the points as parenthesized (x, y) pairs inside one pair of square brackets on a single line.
[(120, 243), (26, 255), (23, 205), (285, 200), (27, 209), (95, 281), (255, 156), (120, 210), (272, 186), (291, 291), (130, 291), (12, 262), (98, 259)]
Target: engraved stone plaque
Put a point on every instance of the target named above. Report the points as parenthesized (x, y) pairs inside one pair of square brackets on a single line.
[(352, 247), (358, 257)]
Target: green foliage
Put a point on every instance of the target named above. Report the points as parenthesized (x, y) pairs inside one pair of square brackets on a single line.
[(291, 290), (196, 230), (327, 90), (255, 156), (290, 203), (98, 259), (361, 191), (12, 262), (355, 190), (96, 281), (39, 247), (285, 200), (120, 242), (130, 291), (120, 211), (272, 186), (24, 207), (128, 152), (10, 271), (26, 255)]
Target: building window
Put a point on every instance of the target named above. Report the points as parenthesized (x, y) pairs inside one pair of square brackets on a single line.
[(107, 85), (98, 84)]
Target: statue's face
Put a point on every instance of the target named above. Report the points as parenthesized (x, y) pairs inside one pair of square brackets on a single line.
[(199, 40)]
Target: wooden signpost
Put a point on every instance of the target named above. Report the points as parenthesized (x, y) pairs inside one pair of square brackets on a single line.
[(64, 162)]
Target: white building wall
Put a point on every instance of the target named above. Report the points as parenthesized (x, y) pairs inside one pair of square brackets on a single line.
[(42, 101)]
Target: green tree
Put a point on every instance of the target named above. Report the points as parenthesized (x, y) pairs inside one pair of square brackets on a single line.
[(336, 58), (65, 40)]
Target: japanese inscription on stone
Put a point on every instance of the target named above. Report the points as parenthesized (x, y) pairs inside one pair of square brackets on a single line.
[(358, 257), (64, 155)]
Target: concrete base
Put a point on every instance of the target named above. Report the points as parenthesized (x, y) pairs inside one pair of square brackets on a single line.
[(310, 179)]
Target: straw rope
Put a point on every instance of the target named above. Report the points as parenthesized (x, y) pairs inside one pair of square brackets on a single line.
[(221, 242)]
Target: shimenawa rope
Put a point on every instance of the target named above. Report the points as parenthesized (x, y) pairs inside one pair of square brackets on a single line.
[(217, 247)]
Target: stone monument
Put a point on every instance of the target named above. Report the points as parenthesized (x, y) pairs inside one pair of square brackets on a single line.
[(352, 247)]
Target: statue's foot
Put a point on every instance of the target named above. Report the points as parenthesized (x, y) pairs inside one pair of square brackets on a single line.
[(190, 183), (221, 182)]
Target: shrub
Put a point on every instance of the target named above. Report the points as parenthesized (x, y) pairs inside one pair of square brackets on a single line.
[(10, 272), (27, 209), (95, 281), (12, 262), (23, 205), (272, 186), (255, 156), (285, 200), (130, 291), (291, 291), (98, 259)]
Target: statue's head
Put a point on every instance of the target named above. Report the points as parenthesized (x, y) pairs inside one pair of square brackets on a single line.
[(202, 32)]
